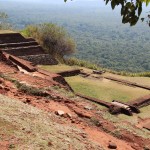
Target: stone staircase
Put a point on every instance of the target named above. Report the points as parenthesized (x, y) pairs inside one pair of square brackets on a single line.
[(26, 48), (20, 44), (11, 38), (24, 51)]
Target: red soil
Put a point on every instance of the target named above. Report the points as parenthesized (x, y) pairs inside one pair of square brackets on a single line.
[(4, 145), (80, 117)]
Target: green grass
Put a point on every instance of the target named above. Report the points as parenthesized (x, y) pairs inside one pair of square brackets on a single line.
[(57, 68), (140, 80), (145, 112), (104, 89), (33, 128), (63, 67), (135, 118)]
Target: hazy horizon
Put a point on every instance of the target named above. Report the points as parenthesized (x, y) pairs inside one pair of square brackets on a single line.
[(97, 29)]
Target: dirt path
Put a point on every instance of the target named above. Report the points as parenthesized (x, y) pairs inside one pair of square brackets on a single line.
[(104, 139)]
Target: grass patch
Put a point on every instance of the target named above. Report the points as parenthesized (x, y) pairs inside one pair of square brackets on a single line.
[(134, 119), (142, 133), (30, 90), (57, 68), (25, 88), (104, 89), (36, 128), (82, 63), (6, 127), (139, 80), (62, 91)]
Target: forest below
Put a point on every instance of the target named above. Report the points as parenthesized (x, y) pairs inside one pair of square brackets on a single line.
[(100, 36)]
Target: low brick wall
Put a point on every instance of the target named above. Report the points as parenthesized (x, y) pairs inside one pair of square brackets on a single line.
[(141, 102), (23, 51), (22, 63), (128, 83), (69, 73), (43, 59)]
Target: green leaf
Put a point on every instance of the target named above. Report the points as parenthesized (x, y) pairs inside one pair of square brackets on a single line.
[(142, 19), (139, 10), (107, 2), (113, 4), (147, 2)]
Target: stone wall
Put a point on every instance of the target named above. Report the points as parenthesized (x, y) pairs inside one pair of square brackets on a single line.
[(11, 38), (42, 59), (24, 51)]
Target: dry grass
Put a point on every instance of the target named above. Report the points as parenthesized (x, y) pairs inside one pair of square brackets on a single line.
[(6, 31), (34, 129)]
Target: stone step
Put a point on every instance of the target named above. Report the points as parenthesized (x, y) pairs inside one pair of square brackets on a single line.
[(23, 63), (23, 51), (42, 59), (15, 45), (21, 47)]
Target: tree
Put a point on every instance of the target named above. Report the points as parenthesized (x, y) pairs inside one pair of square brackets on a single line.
[(3, 24), (53, 38), (130, 10)]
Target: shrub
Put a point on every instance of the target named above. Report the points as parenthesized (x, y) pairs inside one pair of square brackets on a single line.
[(81, 63), (52, 38), (30, 90)]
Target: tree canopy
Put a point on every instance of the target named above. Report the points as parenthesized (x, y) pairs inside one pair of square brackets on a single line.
[(3, 22), (130, 10)]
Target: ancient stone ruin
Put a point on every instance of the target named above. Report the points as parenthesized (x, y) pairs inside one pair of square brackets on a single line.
[(26, 48), (16, 50)]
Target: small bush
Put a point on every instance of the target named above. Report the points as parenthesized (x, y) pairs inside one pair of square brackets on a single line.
[(11, 146), (81, 63), (52, 38), (95, 121), (30, 90)]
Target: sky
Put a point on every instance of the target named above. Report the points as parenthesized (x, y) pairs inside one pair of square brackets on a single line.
[(86, 4), (59, 1)]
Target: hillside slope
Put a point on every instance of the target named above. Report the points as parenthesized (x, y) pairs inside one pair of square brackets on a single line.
[(30, 121), (26, 127), (39, 110)]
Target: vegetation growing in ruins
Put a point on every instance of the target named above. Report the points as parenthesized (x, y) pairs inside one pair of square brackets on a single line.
[(53, 38)]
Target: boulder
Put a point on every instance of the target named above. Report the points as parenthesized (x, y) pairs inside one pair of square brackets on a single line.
[(112, 145), (59, 112), (88, 107)]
